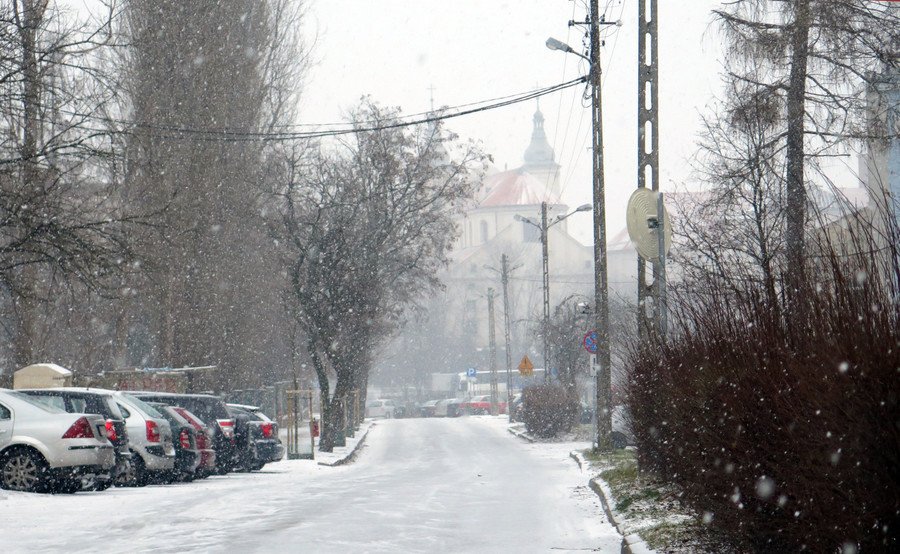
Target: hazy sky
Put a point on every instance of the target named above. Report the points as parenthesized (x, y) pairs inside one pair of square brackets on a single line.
[(470, 50)]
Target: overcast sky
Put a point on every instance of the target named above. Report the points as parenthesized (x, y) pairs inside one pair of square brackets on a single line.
[(470, 50)]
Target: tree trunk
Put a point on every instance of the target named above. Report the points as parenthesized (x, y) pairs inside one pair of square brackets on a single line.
[(796, 187), (32, 14)]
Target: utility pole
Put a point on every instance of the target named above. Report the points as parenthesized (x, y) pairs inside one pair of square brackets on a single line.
[(546, 261), (495, 394), (504, 279), (648, 162), (601, 293)]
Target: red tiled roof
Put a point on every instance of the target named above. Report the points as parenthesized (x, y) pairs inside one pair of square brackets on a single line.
[(516, 188)]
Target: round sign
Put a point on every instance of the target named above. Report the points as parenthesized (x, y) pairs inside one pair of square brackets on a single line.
[(590, 342)]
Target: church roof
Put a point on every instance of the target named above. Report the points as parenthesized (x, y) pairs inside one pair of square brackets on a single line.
[(516, 187)]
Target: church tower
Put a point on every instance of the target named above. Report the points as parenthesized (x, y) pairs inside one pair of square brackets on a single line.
[(539, 156)]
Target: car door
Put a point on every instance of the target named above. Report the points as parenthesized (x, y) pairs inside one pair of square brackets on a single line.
[(6, 426)]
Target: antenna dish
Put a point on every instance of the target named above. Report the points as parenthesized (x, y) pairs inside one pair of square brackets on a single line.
[(643, 224)]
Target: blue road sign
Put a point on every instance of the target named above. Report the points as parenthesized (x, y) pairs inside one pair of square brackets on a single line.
[(590, 342), (471, 372)]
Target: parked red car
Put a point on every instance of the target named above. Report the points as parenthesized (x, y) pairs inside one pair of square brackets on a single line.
[(204, 437), (481, 405)]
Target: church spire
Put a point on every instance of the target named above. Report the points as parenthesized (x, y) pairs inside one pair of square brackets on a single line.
[(539, 152)]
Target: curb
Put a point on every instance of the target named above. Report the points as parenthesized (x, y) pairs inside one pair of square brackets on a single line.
[(631, 543), (350, 455), (521, 434)]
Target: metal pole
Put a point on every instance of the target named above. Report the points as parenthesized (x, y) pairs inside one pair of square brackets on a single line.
[(661, 266), (495, 394), (504, 278), (601, 294), (546, 261), (648, 153)]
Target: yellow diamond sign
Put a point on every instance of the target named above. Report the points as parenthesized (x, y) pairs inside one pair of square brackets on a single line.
[(526, 368)]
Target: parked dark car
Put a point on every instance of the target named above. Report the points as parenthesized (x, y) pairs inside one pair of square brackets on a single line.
[(187, 452), (256, 436), (93, 401), (426, 409), (212, 410)]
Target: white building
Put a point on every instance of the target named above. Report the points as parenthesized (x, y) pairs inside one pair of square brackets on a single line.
[(490, 229)]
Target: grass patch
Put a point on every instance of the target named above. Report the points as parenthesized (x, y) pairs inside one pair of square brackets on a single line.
[(667, 534), (650, 507)]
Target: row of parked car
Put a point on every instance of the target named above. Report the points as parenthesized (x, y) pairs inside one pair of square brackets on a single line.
[(69, 439)]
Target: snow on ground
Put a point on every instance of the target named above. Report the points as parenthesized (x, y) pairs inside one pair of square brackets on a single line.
[(419, 485)]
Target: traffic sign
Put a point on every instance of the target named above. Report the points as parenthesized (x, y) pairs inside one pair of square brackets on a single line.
[(471, 372), (526, 368), (590, 342)]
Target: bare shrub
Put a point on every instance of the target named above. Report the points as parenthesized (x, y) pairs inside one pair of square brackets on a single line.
[(785, 432), (549, 410)]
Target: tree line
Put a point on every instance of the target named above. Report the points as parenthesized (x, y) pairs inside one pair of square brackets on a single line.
[(136, 230)]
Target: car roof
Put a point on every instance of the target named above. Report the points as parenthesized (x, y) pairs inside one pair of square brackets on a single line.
[(245, 407), (140, 393), (90, 390)]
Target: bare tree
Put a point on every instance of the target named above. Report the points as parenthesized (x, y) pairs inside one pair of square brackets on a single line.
[(203, 79), (736, 226), (815, 55), (366, 224), (60, 222)]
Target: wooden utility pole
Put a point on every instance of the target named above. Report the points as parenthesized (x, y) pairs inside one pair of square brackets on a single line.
[(495, 393), (504, 279), (601, 294), (545, 256)]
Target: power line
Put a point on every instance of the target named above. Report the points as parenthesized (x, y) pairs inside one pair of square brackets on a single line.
[(232, 135)]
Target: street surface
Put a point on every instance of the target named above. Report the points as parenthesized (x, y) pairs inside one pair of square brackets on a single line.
[(419, 485)]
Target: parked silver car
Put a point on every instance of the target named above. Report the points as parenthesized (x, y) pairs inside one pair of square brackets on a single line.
[(380, 408), (150, 438), (43, 449)]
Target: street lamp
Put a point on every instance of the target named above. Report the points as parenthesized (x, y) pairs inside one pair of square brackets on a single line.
[(543, 227), (603, 396)]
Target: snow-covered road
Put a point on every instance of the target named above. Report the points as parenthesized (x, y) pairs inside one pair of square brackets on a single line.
[(419, 485)]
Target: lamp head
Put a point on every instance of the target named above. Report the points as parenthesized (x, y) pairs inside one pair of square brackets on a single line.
[(554, 44), (584, 208)]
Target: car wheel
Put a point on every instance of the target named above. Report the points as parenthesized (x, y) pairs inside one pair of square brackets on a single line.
[(24, 470), (138, 476)]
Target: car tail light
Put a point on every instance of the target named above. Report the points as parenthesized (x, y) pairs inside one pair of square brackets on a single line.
[(81, 429), (152, 431), (111, 431), (184, 437), (227, 427), (268, 430)]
